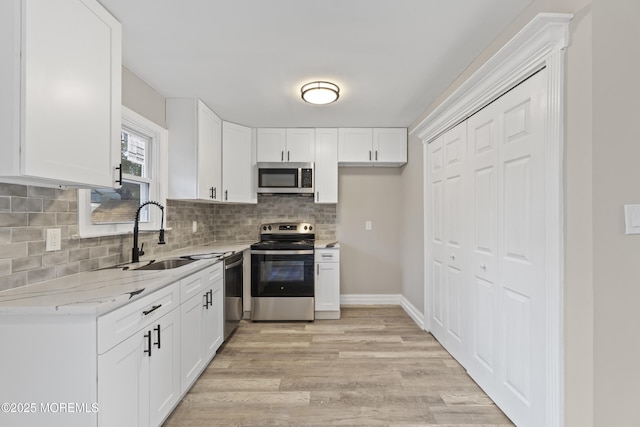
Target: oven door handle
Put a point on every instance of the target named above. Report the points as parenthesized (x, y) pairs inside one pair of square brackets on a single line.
[(282, 252)]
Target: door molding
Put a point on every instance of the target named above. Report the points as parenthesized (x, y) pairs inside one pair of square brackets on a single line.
[(540, 44)]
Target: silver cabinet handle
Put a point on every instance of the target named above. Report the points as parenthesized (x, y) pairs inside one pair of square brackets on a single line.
[(288, 156), (369, 155), (376, 155), (282, 156), (318, 269), (317, 196), (226, 194), (215, 192)]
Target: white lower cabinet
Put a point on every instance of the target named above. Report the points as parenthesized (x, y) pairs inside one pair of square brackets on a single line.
[(327, 283), (128, 367), (139, 379), (202, 324)]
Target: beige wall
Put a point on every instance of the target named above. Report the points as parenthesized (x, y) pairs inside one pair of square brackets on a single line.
[(370, 261), (616, 182), (142, 98), (412, 222), (579, 220)]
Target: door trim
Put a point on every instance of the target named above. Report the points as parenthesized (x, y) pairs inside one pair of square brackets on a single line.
[(540, 44)]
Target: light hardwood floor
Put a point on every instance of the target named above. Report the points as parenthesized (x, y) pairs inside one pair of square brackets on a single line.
[(373, 367)]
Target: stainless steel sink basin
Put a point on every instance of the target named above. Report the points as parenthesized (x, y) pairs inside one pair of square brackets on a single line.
[(166, 264)]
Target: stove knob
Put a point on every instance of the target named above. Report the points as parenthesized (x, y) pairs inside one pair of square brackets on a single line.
[(264, 227), (310, 228), (305, 227), (269, 228)]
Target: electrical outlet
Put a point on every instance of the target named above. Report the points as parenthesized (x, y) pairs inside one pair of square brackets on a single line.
[(54, 239), (194, 226), (368, 225)]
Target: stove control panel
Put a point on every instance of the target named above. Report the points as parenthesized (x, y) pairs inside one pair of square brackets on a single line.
[(286, 228)]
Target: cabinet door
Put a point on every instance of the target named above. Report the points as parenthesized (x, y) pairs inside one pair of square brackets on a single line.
[(300, 145), (164, 367), (390, 146), (213, 322), (355, 145), (192, 357), (209, 157), (327, 287), (123, 383), (238, 154), (71, 58), (326, 166), (271, 145), (327, 281)]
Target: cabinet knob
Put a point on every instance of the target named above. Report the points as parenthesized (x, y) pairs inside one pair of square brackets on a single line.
[(483, 267), (453, 257)]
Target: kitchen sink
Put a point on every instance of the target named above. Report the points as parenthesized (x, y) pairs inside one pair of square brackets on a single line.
[(166, 264)]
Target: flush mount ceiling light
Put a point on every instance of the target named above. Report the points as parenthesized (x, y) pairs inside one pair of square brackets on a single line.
[(320, 92)]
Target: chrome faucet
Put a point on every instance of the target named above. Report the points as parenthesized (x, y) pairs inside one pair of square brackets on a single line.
[(136, 252)]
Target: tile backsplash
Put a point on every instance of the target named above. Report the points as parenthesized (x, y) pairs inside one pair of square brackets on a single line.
[(27, 211), (242, 222)]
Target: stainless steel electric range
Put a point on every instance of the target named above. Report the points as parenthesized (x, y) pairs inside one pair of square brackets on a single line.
[(282, 276)]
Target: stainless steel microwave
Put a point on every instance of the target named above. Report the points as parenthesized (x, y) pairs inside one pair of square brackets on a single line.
[(285, 178)]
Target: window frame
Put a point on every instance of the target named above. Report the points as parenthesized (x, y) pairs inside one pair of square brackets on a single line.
[(159, 139)]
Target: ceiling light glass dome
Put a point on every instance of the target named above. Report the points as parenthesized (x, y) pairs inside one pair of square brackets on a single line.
[(320, 92)]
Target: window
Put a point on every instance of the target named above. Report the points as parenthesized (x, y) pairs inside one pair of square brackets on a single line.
[(143, 149)]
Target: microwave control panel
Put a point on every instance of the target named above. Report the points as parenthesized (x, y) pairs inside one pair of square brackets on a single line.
[(307, 178)]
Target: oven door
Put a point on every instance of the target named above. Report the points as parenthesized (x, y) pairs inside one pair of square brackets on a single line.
[(282, 273)]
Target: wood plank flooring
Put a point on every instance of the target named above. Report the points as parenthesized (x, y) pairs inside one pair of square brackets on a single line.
[(373, 367)]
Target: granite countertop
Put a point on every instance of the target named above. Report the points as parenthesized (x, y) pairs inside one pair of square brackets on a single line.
[(98, 292), (322, 244)]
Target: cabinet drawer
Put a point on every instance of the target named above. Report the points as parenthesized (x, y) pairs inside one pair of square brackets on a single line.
[(327, 255), (120, 324), (213, 274), (196, 283)]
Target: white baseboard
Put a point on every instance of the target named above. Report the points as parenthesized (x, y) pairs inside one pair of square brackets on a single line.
[(385, 299), (370, 299), (413, 312)]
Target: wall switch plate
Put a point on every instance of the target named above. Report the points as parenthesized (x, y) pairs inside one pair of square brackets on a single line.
[(632, 219), (194, 226), (368, 225), (54, 239)]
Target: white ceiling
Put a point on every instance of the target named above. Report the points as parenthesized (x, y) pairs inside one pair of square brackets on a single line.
[(247, 59)]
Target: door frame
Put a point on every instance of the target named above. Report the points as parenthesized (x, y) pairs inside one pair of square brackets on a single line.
[(540, 44)]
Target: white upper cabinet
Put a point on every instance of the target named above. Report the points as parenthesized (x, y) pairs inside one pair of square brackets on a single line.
[(239, 165), (195, 150), (60, 79), (286, 145), (390, 146), (326, 166), (300, 145), (372, 146)]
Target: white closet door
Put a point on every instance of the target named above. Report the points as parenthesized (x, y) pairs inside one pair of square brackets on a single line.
[(435, 194), (448, 251), (507, 260)]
